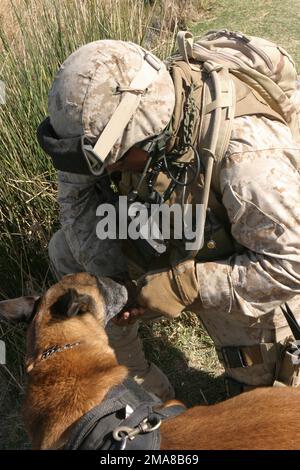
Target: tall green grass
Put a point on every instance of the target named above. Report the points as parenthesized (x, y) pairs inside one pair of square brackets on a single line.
[(42, 34), (47, 32)]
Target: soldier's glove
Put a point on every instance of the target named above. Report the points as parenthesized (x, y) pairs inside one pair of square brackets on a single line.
[(170, 292)]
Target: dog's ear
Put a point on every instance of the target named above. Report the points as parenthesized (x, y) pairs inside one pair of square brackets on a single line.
[(20, 309), (115, 297), (71, 304)]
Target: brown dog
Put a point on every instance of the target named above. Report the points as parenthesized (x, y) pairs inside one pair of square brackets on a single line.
[(71, 368)]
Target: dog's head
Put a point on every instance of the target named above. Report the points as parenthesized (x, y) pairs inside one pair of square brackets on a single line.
[(78, 296), (70, 318)]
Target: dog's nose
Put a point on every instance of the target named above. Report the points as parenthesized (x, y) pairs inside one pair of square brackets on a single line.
[(115, 297)]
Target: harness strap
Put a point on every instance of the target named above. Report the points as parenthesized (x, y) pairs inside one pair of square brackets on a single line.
[(92, 430), (87, 423), (247, 356), (146, 440), (127, 106)]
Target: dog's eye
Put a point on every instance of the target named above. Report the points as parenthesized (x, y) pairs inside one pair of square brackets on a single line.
[(71, 304)]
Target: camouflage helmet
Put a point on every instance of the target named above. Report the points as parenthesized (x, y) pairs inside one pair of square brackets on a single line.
[(86, 96)]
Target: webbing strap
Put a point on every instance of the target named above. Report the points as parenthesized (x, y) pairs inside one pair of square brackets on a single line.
[(217, 111), (246, 356), (216, 117), (225, 102), (185, 43), (127, 107)]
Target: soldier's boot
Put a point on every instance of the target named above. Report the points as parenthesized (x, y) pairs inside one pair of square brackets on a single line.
[(129, 351)]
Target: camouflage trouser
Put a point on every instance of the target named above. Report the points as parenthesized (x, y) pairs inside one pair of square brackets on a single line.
[(124, 340), (252, 355)]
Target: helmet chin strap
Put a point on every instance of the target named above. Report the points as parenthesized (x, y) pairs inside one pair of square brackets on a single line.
[(115, 127)]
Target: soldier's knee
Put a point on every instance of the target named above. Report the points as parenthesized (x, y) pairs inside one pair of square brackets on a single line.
[(61, 258)]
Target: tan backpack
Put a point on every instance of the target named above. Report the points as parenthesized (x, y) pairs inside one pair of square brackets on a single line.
[(245, 75)]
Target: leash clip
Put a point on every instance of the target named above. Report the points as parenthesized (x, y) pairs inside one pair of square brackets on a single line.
[(123, 433)]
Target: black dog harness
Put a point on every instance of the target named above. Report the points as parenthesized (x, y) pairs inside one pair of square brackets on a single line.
[(127, 418)]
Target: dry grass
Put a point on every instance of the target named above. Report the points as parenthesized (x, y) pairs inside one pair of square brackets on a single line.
[(35, 38), (181, 13), (7, 17), (158, 18)]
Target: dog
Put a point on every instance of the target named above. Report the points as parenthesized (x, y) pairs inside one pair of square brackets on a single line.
[(73, 373)]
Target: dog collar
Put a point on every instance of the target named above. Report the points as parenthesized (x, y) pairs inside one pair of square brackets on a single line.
[(50, 351)]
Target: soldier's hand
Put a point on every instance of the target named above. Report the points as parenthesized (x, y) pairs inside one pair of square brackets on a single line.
[(132, 311), (169, 292), (134, 160), (159, 293), (129, 316)]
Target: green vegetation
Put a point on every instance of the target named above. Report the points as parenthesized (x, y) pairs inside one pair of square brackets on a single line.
[(273, 19)]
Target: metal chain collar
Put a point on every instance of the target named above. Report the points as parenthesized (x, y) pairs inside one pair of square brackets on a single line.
[(54, 349)]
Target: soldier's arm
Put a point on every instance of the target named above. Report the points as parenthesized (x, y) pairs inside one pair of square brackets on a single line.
[(261, 192), (78, 197)]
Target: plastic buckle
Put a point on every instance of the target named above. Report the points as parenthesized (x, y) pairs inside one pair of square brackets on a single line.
[(232, 357), (95, 164)]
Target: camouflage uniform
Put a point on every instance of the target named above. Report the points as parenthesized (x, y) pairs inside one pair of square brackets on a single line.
[(241, 296), (238, 298)]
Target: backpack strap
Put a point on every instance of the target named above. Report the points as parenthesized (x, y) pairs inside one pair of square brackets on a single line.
[(185, 43), (214, 138), (217, 113)]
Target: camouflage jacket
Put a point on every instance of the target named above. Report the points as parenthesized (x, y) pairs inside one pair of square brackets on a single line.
[(261, 194), (260, 191)]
